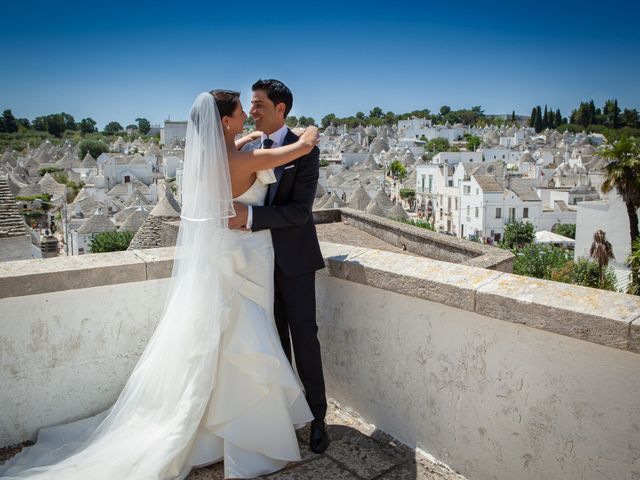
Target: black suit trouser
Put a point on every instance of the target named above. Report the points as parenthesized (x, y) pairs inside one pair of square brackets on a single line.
[(295, 315)]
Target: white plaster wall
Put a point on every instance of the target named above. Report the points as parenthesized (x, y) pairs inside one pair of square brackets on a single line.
[(609, 215), (494, 400), (15, 248), (66, 355)]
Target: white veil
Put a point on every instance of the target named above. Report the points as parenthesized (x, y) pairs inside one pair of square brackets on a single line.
[(148, 431)]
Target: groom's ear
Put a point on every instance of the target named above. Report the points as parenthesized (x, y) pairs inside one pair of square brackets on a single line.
[(281, 108)]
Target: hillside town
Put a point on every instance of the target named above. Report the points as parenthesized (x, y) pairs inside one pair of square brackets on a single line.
[(411, 171)]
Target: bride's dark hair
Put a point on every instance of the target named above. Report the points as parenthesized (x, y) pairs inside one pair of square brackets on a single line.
[(226, 100)]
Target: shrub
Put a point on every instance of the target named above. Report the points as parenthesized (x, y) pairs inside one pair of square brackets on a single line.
[(110, 242)]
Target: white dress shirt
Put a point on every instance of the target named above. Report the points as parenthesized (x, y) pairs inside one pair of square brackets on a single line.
[(278, 139)]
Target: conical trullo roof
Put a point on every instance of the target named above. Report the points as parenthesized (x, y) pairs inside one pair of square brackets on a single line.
[(397, 212), (333, 201), (137, 198), (374, 209), (359, 199), (321, 201), (167, 205), (382, 200), (135, 220), (320, 191), (97, 223), (88, 161)]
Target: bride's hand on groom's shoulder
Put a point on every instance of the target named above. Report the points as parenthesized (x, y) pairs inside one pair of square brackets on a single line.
[(310, 137)]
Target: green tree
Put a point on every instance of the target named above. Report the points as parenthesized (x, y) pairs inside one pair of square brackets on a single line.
[(566, 229), (517, 234), (532, 118), (113, 127), (56, 124), (94, 147), (444, 110), (361, 116), (630, 118), (10, 123), (24, 122), (513, 116), (291, 121), (69, 121), (539, 122), (397, 169), (327, 119), (376, 112), (437, 145), (110, 241), (87, 125), (623, 175), (473, 142), (585, 273), (143, 125), (602, 252), (539, 261), (558, 118)]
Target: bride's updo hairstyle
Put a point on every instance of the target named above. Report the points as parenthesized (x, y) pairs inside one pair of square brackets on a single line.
[(227, 101)]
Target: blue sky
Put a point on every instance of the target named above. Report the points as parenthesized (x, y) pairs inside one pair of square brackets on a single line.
[(113, 61)]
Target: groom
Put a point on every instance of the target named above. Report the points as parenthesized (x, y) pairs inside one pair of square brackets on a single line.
[(287, 213)]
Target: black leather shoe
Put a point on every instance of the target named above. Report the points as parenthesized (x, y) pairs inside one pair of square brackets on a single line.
[(318, 438)]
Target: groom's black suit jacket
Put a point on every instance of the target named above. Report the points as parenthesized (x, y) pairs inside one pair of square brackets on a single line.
[(288, 213)]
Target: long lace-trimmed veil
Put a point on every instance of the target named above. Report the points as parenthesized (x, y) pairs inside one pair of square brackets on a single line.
[(147, 433)]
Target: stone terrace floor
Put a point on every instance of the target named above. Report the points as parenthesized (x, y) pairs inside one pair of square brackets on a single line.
[(357, 452), (345, 234)]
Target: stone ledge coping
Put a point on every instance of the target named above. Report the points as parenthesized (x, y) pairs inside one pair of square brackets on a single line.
[(597, 316)]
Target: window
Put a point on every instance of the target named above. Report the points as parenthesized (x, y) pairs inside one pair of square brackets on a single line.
[(525, 212), (496, 237), (498, 213), (512, 214), (477, 212), (430, 182), (456, 203), (468, 210), (477, 191), (467, 190), (127, 179)]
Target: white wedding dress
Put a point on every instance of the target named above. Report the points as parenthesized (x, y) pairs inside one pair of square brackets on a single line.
[(213, 383)]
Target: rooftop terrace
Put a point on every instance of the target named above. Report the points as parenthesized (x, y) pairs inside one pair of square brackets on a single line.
[(495, 375)]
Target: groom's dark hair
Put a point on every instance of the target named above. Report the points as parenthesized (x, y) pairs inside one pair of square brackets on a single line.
[(277, 92)]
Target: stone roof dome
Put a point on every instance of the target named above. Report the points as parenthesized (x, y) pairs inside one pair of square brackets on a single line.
[(359, 199), (374, 209), (397, 212), (97, 223), (167, 206), (332, 201), (135, 219), (88, 161), (12, 223), (382, 200)]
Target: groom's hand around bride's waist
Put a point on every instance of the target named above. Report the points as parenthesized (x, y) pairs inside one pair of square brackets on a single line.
[(239, 222)]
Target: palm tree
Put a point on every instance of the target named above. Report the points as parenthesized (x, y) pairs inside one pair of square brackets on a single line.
[(602, 252), (623, 174), (634, 263)]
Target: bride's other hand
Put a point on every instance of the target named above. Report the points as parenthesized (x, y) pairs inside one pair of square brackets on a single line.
[(239, 222), (255, 135)]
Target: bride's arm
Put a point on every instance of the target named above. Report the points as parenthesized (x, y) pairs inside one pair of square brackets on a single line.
[(241, 142), (263, 159)]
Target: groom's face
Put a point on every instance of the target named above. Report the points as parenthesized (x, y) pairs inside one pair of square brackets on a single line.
[(267, 116)]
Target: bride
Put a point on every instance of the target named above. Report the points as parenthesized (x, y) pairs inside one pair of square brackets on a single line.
[(213, 382)]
